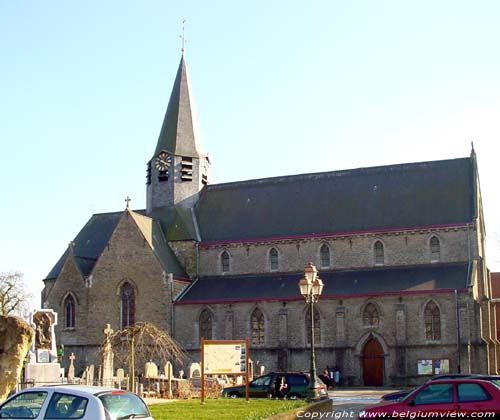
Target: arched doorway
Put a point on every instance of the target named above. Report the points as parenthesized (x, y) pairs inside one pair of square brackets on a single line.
[(373, 363)]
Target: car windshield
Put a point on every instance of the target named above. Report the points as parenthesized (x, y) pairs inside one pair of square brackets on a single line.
[(124, 405)]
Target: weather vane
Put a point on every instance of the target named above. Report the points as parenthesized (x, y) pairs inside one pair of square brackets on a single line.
[(182, 37)]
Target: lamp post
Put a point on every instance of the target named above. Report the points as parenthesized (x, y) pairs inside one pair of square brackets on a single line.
[(311, 287)]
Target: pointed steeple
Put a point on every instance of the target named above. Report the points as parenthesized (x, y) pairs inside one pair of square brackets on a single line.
[(179, 133), (179, 169)]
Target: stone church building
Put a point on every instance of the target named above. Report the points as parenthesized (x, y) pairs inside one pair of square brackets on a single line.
[(400, 249)]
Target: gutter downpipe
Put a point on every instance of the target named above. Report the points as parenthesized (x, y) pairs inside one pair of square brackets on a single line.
[(458, 332)]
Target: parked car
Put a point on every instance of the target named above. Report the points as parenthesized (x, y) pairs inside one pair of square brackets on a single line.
[(74, 402), (289, 385), (443, 396), (399, 395)]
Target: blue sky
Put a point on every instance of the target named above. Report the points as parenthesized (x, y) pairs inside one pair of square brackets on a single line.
[(281, 87)]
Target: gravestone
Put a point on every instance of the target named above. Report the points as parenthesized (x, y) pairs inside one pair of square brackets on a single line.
[(71, 368), (151, 370), (169, 373), (194, 370), (42, 366)]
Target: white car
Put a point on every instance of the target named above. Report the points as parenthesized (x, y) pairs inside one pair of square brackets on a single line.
[(74, 402)]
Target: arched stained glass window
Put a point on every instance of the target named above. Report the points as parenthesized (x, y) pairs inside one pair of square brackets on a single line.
[(432, 320), (69, 312), (273, 259), (224, 261), (257, 326), (435, 249), (324, 253), (378, 250), (206, 325), (127, 294)]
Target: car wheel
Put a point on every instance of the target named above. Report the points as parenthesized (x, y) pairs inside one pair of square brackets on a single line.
[(234, 395)]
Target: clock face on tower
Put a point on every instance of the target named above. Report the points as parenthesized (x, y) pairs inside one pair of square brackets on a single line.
[(163, 161)]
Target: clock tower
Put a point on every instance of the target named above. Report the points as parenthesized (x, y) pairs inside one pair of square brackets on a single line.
[(179, 169)]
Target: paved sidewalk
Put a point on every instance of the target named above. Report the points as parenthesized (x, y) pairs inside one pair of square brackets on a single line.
[(371, 393)]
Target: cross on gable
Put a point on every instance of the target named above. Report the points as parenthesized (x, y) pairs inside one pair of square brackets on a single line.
[(128, 200), (72, 357), (108, 331)]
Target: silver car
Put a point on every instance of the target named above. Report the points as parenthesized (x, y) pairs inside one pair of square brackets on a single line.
[(74, 402)]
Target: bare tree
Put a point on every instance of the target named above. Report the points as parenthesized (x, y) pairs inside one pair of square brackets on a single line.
[(14, 295), (142, 342)]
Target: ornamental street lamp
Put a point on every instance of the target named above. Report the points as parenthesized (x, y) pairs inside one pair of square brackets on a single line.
[(311, 288)]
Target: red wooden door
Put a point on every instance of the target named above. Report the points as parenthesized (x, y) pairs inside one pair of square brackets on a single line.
[(373, 363)]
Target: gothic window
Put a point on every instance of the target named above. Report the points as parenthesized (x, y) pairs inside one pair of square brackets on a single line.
[(224, 261), (370, 315), (432, 320), (69, 312), (127, 294), (206, 325), (378, 250), (257, 325), (324, 253), (273, 259), (317, 330), (435, 249)]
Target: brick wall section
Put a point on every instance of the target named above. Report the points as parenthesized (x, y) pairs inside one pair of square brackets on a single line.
[(347, 252)]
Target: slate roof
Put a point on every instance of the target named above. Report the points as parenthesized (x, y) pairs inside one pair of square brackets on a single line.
[(180, 133), (90, 242), (349, 283), (386, 197)]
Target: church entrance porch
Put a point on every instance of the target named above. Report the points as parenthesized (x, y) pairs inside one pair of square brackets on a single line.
[(373, 363)]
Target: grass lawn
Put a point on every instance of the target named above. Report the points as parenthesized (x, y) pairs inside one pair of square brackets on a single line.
[(222, 409)]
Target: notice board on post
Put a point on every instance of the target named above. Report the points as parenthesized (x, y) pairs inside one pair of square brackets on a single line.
[(224, 357)]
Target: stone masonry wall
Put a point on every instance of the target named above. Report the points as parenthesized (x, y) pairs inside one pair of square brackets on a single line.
[(347, 252)]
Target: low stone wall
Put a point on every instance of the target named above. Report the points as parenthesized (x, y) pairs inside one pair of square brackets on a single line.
[(323, 406)]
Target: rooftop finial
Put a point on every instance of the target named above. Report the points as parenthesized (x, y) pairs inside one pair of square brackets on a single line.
[(472, 151), (182, 37)]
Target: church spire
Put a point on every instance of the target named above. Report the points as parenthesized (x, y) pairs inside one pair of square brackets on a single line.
[(179, 133), (179, 169)]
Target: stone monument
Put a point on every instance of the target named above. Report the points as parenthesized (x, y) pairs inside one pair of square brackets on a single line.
[(16, 337), (107, 358), (43, 367)]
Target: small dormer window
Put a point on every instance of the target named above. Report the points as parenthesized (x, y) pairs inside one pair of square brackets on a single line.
[(186, 169), (163, 176)]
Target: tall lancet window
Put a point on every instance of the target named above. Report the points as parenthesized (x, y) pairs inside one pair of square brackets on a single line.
[(432, 320), (257, 325), (324, 253), (435, 249), (224, 262), (69, 312), (127, 294), (378, 250), (273, 259), (206, 325)]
